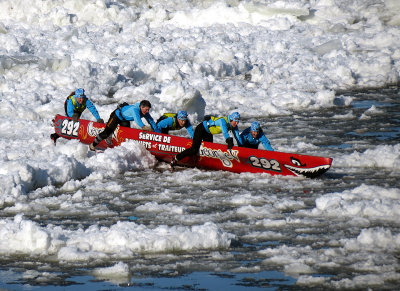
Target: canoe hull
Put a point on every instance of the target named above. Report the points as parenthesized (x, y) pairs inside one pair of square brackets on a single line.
[(211, 156)]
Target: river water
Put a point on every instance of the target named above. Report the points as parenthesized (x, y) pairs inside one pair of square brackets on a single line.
[(340, 230)]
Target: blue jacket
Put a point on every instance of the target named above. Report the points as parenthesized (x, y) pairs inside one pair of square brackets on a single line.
[(168, 123), (133, 113), (249, 141), (85, 104), (215, 125)]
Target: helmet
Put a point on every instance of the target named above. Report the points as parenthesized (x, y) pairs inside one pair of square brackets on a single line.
[(235, 116), (255, 126), (80, 93), (182, 115)]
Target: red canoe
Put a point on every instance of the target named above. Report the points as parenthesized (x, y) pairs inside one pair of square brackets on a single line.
[(212, 156)]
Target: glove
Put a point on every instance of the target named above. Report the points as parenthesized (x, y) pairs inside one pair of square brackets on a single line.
[(100, 120), (147, 128), (75, 117), (229, 141)]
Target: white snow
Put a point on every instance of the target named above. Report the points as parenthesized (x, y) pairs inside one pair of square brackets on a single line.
[(261, 58)]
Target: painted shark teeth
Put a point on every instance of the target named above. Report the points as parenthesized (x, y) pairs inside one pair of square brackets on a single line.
[(308, 172)]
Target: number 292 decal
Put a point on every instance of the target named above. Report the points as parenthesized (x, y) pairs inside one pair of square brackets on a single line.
[(69, 127), (263, 163)]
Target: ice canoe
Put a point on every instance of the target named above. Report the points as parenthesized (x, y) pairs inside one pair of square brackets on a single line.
[(212, 156)]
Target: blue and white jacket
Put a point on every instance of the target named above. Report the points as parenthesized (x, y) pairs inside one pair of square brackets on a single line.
[(133, 113), (216, 125), (250, 142), (170, 123), (73, 106)]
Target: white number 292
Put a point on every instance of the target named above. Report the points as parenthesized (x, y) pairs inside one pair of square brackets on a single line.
[(265, 164), (69, 127)]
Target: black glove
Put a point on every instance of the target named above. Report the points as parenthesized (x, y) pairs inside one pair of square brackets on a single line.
[(75, 117), (229, 141), (100, 120)]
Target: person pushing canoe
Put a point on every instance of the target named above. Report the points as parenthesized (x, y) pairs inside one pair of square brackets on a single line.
[(123, 116), (205, 131)]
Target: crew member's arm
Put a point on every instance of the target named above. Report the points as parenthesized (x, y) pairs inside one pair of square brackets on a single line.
[(70, 107), (189, 128), (150, 120), (224, 128), (92, 109), (244, 136), (265, 142), (136, 116), (165, 123), (237, 136)]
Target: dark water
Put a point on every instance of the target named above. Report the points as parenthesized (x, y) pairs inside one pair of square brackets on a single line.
[(207, 196)]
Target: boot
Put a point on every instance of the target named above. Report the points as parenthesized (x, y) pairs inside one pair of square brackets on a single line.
[(54, 137), (174, 162), (92, 147)]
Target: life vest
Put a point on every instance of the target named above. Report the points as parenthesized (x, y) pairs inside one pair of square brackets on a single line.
[(78, 108), (216, 129), (175, 124), (118, 111)]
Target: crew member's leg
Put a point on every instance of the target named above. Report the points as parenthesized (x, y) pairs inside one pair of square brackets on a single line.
[(125, 123), (207, 136), (111, 125), (200, 134), (54, 137)]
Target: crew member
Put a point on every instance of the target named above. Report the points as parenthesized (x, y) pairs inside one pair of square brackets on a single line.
[(205, 131), (74, 106), (123, 115), (253, 136), (175, 121)]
